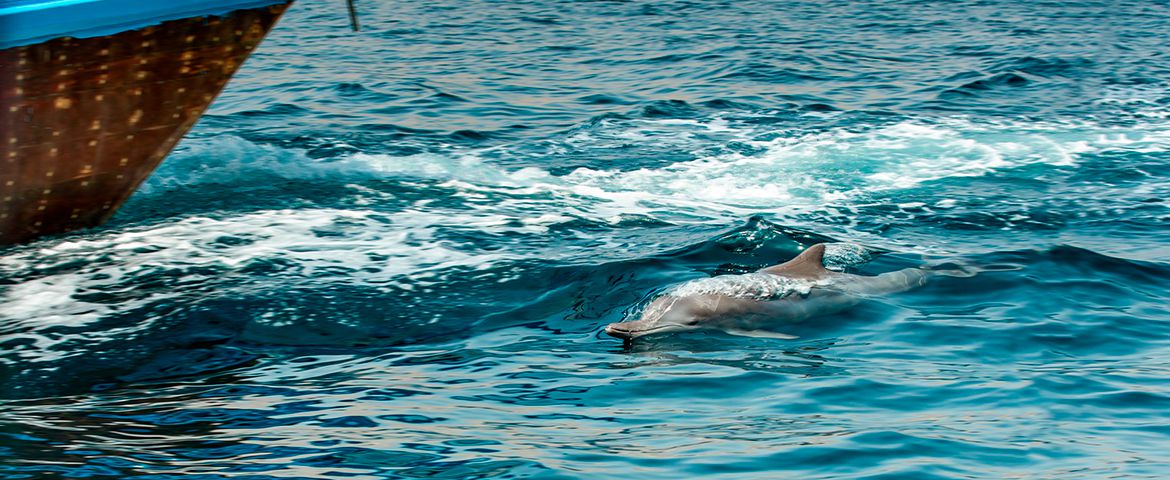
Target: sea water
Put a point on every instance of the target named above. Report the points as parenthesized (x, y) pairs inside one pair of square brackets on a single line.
[(391, 253)]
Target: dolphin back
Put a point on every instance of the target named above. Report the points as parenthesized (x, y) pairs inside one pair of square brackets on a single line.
[(885, 283)]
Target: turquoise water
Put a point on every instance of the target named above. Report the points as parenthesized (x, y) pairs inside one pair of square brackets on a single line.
[(391, 254)]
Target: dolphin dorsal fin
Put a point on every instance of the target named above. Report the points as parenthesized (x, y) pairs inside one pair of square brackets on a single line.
[(809, 264)]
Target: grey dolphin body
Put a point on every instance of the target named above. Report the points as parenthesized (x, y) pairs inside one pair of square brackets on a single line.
[(749, 304)]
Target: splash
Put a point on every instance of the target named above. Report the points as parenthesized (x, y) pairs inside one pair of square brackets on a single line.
[(755, 286), (839, 256)]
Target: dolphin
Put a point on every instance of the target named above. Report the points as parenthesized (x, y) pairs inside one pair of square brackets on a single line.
[(751, 303)]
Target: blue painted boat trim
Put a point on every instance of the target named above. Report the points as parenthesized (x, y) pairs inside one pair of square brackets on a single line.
[(28, 22)]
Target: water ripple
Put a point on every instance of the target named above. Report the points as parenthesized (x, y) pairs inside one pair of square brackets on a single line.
[(391, 254)]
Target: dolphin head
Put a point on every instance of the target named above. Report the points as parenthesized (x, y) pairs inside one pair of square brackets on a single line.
[(663, 315)]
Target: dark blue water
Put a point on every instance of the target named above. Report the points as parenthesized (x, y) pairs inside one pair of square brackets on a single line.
[(391, 254)]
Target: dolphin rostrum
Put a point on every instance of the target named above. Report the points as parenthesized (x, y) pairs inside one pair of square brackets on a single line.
[(748, 304)]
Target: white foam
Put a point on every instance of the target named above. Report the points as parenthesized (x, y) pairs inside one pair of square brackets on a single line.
[(111, 261), (792, 175)]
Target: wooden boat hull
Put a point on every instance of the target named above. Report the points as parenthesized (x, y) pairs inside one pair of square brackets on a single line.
[(85, 120)]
